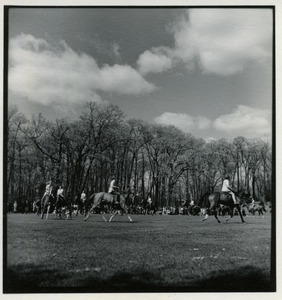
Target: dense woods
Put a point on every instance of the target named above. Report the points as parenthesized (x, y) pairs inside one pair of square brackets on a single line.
[(162, 161)]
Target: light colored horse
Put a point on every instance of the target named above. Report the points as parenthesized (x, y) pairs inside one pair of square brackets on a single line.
[(103, 199), (45, 205)]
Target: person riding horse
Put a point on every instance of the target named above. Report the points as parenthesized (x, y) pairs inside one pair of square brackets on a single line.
[(253, 203), (149, 202), (48, 191), (46, 199), (83, 197), (227, 189), (113, 190), (60, 195)]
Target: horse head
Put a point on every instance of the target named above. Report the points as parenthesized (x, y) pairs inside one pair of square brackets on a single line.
[(243, 195)]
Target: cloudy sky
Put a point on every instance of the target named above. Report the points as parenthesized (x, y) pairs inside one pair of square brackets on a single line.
[(208, 71)]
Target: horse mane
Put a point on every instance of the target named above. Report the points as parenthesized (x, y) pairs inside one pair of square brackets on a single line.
[(243, 192)]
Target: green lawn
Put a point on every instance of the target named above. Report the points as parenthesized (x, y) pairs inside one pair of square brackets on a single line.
[(153, 254)]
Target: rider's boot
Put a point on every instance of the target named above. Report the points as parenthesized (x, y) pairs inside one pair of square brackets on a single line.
[(234, 199)]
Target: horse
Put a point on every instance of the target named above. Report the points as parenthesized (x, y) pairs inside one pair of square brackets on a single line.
[(150, 209), (224, 210), (46, 203), (256, 208), (216, 198), (102, 200), (63, 207), (193, 210), (83, 205)]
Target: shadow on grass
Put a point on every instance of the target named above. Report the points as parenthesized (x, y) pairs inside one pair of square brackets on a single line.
[(245, 279)]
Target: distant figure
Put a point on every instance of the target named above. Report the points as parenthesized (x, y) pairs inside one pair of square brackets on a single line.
[(83, 197), (149, 201), (226, 188), (48, 190), (15, 206), (60, 192), (253, 201), (113, 189)]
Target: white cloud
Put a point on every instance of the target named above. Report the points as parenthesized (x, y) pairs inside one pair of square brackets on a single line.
[(223, 40), (219, 41), (46, 74), (245, 121), (155, 61), (122, 79), (184, 122)]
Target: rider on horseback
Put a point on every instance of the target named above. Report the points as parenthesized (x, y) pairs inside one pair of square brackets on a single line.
[(83, 197), (60, 192), (253, 202), (149, 201), (113, 190), (226, 188), (48, 191)]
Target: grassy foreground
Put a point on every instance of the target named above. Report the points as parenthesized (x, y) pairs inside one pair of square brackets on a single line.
[(153, 254)]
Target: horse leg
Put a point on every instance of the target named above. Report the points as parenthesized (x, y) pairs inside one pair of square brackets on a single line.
[(113, 215), (84, 210), (215, 215), (230, 215), (47, 214), (42, 207), (240, 212), (127, 212), (103, 216), (206, 215), (89, 211), (42, 211)]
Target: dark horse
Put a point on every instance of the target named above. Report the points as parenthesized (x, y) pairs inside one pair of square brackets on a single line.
[(194, 210), (83, 205), (102, 200), (63, 207), (256, 208), (215, 199)]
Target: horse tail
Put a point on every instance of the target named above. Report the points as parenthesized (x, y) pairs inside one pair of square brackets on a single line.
[(204, 200), (92, 196), (123, 203), (213, 200)]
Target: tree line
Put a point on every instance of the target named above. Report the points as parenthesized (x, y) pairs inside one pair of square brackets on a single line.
[(161, 161)]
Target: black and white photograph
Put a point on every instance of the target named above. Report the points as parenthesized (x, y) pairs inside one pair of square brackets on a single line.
[(139, 149)]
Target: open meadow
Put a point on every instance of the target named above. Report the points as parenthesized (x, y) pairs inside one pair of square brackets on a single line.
[(153, 254)]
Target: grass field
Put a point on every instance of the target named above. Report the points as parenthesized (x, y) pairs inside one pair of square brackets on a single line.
[(153, 254)]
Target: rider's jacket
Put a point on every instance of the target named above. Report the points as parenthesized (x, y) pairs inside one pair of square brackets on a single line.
[(225, 186), (112, 186), (48, 189), (60, 192)]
